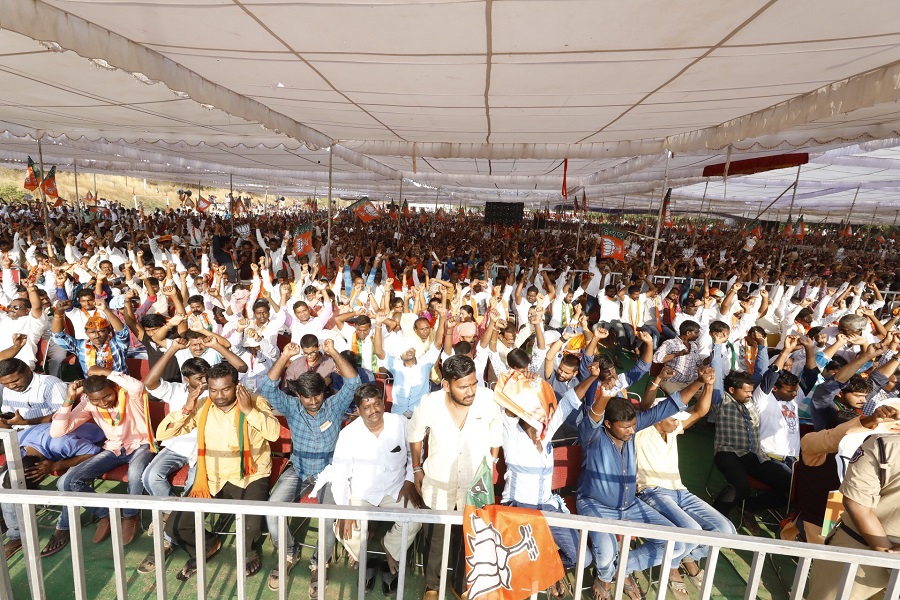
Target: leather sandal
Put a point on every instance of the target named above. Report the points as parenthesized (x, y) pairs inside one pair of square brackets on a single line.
[(58, 541)]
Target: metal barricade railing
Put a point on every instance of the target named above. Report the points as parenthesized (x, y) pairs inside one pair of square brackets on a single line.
[(116, 503)]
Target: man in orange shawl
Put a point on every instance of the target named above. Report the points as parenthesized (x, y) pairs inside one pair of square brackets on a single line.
[(234, 429)]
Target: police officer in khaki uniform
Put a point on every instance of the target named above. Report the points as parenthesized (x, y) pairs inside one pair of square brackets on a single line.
[(871, 518)]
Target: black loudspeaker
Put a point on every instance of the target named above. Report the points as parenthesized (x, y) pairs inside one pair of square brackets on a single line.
[(504, 213)]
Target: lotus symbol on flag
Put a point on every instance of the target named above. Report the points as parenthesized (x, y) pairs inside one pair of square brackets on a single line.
[(371, 210), (609, 247), (489, 562)]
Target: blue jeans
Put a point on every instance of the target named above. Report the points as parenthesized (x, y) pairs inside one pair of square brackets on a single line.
[(566, 539), (686, 510), (156, 475), (617, 329), (289, 488), (606, 549), (81, 477)]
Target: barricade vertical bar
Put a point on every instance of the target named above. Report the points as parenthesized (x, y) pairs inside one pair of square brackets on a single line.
[(756, 567), (75, 542), (668, 555), (401, 569), (892, 591), (623, 562), (240, 529), (800, 578), (27, 520), (200, 544), (323, 560), (282, 558), (363, 557), (847, 580), (710, 568), (115, 522), (5, 580), (159, 553), (579, 566), (445, 559)]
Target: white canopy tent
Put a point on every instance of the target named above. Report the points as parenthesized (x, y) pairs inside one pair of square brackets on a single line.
[(467, 100)]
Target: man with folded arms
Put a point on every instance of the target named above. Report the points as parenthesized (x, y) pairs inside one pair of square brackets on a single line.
[(234, 461), (118, 404), (372, 467)]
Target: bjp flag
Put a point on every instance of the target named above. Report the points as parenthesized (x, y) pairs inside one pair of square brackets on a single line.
[(49, 184), (612, 243), (32, 176), (367, 212), (510, 552), (303, 240), (203, 204)]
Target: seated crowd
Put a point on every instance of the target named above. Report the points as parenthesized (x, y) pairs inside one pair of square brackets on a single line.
[(379, 358)]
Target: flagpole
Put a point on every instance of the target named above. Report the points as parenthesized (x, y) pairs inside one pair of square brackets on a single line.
[(662, 205), (41, 186), (790, 213), (231, 200), (95, 189), (330, 173), (397, 235)]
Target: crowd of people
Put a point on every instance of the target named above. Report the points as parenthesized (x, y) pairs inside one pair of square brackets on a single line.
[(789, 351)]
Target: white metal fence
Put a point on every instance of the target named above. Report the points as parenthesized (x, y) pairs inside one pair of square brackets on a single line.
[(28, 500)]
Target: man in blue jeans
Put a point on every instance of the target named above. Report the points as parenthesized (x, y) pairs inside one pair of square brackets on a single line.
[(659, 480), (607, 487), (117, 404), (529, 470), (314, 422)]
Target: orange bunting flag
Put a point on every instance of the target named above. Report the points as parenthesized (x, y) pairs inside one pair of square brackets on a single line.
[(32, 176), (49, 185), (303, 240), (510, 552)]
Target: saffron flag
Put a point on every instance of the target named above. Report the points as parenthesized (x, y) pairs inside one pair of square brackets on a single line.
[(754, 237), (405, 209), (788, 230), (203, 204), (668, 220), (366, 211), (848, 231), (510, 552), (612, 243), (303, 240), (49, 184), (237, 206), (800, 229), (32, 176)]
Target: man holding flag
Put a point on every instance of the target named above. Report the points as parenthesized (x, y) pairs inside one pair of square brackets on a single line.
[(464, 428)]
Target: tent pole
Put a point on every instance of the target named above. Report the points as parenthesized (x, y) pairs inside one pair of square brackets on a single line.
[(397, 235), (330, 173), (77, 205), (702, 200), (759, 214), (896, 212), (41, 187), (662, 205), (725, 175), (852, 204), (95, 188)]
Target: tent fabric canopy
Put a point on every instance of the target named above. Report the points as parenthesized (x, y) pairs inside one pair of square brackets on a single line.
[(467, 99)]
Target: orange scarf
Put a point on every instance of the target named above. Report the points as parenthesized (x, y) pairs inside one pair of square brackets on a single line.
[(750, 352), (102, 357), (248, 467), (122, 409)]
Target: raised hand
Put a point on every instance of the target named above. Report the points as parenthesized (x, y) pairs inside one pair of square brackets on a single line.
[(291, 350)]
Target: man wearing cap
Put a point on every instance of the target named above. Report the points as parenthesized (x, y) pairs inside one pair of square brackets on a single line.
[(107, 343)]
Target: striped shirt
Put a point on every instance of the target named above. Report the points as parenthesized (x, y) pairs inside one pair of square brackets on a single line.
[(43, 396)]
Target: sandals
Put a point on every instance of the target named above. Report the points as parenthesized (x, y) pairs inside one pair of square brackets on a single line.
[(560, 589), (633, 589), (254, 565), (600, 592), (190, 567), (58, 541), (697, 579), (679, 590), (275, 575)]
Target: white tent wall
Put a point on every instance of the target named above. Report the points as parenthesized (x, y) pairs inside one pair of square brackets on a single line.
[(475, 100)]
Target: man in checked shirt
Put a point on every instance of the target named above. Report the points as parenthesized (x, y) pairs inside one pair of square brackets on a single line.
[(314, 422), (682, 354)]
